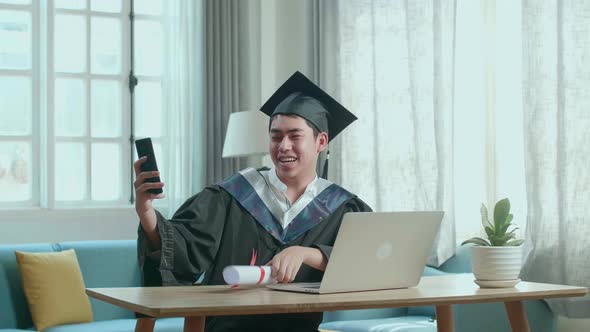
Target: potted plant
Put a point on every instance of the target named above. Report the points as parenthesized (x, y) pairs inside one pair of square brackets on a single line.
[(497, 260)]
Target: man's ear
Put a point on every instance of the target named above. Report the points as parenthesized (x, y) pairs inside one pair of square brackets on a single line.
[(322, 141)]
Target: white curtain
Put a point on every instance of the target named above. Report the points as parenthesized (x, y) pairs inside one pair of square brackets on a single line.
[(437, 89), (211, 68), (181, 84), (556, 70), (391, 63)]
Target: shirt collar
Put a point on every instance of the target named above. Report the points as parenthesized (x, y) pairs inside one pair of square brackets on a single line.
[(282, 187)]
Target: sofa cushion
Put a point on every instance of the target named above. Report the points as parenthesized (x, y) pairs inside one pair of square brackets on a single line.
[(107, 264), (15, 310), (406, 323), (120, 325), (54, 288), (426, 310)]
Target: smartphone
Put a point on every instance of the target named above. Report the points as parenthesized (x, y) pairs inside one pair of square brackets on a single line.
[(145, 149)]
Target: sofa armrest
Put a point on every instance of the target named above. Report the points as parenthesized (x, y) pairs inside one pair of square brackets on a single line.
[(492, 317), (460, 262)]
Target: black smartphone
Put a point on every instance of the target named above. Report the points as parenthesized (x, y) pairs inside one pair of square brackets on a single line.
[(145, 149)]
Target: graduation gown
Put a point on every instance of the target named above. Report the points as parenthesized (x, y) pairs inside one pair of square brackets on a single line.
[(224, 223)]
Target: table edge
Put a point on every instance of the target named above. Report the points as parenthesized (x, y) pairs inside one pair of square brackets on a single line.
[(323, 307)]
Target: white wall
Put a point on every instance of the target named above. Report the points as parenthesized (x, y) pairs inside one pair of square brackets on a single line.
[(26, 226)]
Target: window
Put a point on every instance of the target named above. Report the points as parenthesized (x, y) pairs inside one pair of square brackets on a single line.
[(65, 119), (19, 31), (148, 35), (88, 101)]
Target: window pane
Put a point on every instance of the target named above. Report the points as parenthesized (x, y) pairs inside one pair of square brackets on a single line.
[(148, 48), (160, 160), (70, 4), (111, 6), (148, 7), (106, 45), (148, 109), (70, 43), (70, 107), (15, 39), (70, 171), (163, 174), (106, 171), (106, 108), (15, 171), (15, 105)]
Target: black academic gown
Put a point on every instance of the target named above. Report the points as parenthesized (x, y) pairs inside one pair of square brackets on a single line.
[(219, 227)]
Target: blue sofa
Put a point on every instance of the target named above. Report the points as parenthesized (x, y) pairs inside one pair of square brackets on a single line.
[(103, 264), (114, 264)]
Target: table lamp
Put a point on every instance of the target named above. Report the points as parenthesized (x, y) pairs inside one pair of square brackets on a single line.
[(246, 135)]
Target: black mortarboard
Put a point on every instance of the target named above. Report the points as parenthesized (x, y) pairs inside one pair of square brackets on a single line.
[(300, 96)]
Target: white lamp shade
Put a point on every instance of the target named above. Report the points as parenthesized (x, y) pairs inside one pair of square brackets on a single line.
[(246, 135)]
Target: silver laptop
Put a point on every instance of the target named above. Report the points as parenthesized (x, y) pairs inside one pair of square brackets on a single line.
[(376, 250)]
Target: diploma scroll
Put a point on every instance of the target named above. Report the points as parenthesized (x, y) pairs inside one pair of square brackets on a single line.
[(247, 275)]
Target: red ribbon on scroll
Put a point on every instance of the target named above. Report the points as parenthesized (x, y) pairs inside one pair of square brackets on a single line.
[(252, 263)]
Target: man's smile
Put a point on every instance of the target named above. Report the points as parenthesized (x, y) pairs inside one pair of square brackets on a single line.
[(287, 160)]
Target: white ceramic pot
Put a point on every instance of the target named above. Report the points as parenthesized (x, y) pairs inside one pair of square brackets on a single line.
[(496, 263)]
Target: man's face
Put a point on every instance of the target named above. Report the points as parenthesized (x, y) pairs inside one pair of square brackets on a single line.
[(293, 149)]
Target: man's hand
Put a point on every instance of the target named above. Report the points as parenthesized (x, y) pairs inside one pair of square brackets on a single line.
[(286, 264), (143, 200)]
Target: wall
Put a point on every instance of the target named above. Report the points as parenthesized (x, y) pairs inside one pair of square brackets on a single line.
[(54, 226)]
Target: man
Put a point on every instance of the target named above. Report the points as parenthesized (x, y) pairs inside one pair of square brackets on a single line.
[(287, 216)]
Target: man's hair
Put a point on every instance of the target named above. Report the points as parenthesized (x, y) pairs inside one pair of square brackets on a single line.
[(315, 129)]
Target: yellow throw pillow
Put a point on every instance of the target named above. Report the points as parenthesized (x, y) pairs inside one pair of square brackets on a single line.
[(54, 288)]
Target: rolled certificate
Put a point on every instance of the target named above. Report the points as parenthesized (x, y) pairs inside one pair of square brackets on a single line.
[(247, 275)]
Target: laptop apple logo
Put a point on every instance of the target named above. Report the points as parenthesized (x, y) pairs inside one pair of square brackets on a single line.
[(384, 250)]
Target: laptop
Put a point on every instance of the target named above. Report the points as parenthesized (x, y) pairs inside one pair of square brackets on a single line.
[(376, 250)]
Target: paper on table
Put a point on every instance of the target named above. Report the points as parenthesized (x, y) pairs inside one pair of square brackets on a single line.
[(247, 275)]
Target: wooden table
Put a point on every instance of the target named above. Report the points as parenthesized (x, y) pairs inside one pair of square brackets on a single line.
[(196, 302)]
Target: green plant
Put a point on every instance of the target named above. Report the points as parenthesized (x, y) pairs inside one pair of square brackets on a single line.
[(498, 234)]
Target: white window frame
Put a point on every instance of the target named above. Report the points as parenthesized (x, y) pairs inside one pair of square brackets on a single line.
[(43, 139), (33, 73), (87, 140), (161, 204)]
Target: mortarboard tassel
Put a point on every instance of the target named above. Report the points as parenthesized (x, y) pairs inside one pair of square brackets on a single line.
[(325, 171)]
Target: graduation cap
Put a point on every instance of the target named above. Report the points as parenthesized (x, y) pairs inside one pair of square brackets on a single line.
[(300, 96)]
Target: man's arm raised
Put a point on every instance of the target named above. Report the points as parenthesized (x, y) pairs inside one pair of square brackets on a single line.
[(143, 202)]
